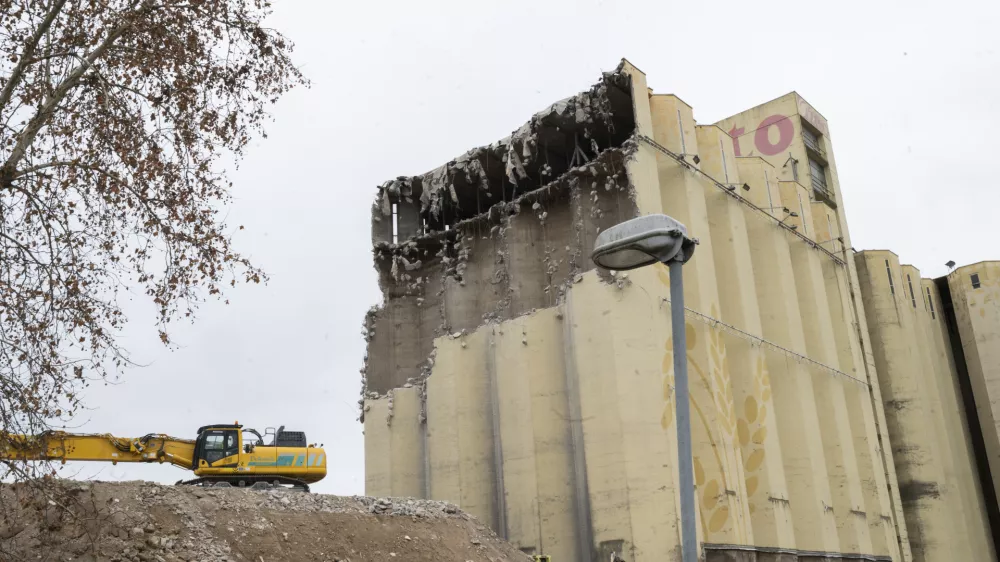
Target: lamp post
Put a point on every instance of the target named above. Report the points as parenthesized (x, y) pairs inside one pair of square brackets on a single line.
[(637, 243)]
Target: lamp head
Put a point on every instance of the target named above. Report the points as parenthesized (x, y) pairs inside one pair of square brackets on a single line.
[(643, 241)]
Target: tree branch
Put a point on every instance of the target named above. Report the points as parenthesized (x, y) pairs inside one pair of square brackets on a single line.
[(29, 52), (42, 115)]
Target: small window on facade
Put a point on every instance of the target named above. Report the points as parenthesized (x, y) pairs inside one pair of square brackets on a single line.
[(975, 281), (892, 288), (930, 302), (817, 172), (913, 297), (810, 139), (395, 223)]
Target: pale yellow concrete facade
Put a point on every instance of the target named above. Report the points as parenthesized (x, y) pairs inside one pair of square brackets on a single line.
[(546, 407), (941, 494), (977, 315)]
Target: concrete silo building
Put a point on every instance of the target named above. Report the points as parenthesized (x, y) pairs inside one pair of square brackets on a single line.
[(506, 374)]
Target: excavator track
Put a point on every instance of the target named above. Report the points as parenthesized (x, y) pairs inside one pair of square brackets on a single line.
[(246, 481)]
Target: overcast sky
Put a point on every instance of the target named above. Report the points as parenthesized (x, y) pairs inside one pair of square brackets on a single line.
[(399, 88)]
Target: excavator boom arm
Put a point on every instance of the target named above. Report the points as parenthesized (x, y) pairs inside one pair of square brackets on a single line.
[(60, 446)]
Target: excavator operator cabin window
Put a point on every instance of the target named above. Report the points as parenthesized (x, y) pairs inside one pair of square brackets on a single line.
[(215, 446), (232, 444), (214, 443)]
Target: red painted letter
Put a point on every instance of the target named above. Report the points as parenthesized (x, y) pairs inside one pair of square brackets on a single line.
[(785, 133), (736, 133)]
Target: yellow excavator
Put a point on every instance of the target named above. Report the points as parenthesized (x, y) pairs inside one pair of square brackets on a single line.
[(221, 455)]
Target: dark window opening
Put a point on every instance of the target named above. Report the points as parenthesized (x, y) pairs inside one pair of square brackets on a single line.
[(913, 296), (930, 303), (975, 281), (817, 173), (892, 288), (811, 139), (395, 223)]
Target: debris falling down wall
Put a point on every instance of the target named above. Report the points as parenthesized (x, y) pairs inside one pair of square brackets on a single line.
[(498, 231), (546, 386)]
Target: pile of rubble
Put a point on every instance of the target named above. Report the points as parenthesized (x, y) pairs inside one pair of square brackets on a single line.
[(144, 522)]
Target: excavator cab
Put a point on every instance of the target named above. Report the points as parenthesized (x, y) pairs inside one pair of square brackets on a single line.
[(234, 454), (217, 443)]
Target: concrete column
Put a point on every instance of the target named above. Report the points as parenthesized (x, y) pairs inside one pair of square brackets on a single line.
[(394, 446), (831, 402), (877, 505), (534, 429), (757, 431), (907, 408), (974, 508), (378, 449), (618, 338), (794, 399), (977, 313), (722, 492), (952, 436), (460, 427)]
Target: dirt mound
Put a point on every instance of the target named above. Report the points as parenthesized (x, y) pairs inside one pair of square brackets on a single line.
[(145, 522)]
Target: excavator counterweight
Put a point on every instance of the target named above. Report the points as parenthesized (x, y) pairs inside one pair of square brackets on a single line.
[(222, 454)]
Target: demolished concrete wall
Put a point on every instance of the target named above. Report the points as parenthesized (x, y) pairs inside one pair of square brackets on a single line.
[(497, 232)]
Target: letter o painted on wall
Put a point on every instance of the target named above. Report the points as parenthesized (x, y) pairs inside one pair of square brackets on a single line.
[(785, 133)]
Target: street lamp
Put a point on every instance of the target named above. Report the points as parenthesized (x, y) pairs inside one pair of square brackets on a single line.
[(637, 243)]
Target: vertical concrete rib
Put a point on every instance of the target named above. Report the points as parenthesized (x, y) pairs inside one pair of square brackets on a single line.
[(581, 491), (930, 371), (877, 506), (600, 418), (460, 429), (722, 496), (535, 430), (378, 449), (406, 443), (907, 407), (498, 449), (756, 422), (967, 477), (798, 424), (977, 318), (831, 403)]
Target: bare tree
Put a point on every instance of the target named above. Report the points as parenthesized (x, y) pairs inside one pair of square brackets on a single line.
[(118, 117)]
